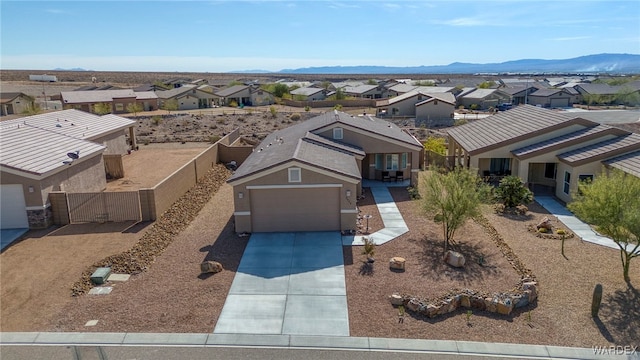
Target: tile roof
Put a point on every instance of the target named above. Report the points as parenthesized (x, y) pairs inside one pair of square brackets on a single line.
[(565, 140), (283, 145), (629, 163), (507, 127), (73, 123), (602, 150)]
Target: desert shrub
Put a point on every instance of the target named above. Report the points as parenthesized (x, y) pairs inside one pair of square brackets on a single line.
[(499, 208), (542, 230), (295, 117), (221, 121), (474, 107), (369, 248), (233, 103), (214, 138), (307, 108), (338, 107), (561, 232), (460, 122), (273, 111), (156, 120), (522, 209), (512, 192), (414, 193)]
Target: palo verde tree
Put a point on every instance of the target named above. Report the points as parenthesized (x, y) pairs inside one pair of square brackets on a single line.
[(612, 203), (436, 144), (452, 198), (170, 105), (280, 89), (134, 108)]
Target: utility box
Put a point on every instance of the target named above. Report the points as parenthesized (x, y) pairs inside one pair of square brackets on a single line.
[(100, 275)]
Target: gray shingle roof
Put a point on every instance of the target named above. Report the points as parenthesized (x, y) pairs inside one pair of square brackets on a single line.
[(564, 140), (610, 116), (306, 91), (231, 90), (168, 94), (444, 97), (284, 145), (508, 127), (599, 89), (546, 92), (629, 163), (360, 89), (602, 150)]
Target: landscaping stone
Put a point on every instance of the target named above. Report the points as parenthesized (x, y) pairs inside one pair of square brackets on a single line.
[(504, 306), (454, 258), (396, 300), (118, 277), (413, 305), (491, 305), (397, 263), (210, 267), (477, 302), (91, 323), (531, 289), (100, 290), (432, 310), (465, 301), (520, 300), (545, 224)]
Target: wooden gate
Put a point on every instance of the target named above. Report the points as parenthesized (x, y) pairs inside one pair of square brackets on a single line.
[(104, 206)]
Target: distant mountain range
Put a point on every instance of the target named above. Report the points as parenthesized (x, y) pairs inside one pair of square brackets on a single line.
[(72, 69), (600, 63)]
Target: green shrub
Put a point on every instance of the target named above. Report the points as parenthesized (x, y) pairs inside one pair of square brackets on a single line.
[(273, 111), (295, 117), (414, 193), (233, 103), (512, 192)]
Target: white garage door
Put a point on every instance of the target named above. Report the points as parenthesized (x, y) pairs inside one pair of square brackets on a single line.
[(13, 209), (307, 209)]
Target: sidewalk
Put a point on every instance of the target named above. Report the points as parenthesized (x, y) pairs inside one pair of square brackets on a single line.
[(582, 230), (440, 347)]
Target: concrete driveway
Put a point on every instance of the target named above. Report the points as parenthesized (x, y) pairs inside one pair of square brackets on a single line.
[(288, 283)]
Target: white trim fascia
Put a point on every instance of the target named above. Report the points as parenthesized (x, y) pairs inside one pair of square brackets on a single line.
[(289, 186), (293, 163), (242, 213), (45, 175), (348, 211), (373, 135)]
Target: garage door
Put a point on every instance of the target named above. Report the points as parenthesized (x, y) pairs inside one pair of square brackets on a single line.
[(13, 210), (308, 209), (556, 103)]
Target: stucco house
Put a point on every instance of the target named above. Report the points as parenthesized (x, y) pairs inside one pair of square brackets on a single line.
[(118, 99), (14, 103), (245, 95), (436, 110), (309, 94), (550, 98), (189, 97), (548, 150), (34, 160), (365, 91), (423, 105), (483, 98), (307, 177)]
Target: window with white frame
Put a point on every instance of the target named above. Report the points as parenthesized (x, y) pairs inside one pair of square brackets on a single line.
[(337, 133), (295, 175), (567, 182), (403, 161), (392, 161)]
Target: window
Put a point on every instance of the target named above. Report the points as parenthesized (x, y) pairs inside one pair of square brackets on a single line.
[(567, 182), (392, 162), (585, 178), (403, 161), (435, 102), (550, 170), (119, 107), (378, 161), (295, 175), (500, 166), (337, 133)]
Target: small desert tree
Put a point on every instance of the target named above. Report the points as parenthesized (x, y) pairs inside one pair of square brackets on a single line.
[(134, 108), (512, 192), (102, 108), (280, 89), (170, 105), (452, 198), (612, 203), (32, 109), (436, 144)]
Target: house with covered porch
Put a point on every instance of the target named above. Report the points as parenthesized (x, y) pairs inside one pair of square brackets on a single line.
[(308, 177), (550, 151)]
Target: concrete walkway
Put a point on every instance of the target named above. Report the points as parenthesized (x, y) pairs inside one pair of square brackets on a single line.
[(394, 224), (582, 230), (463, 349), (288, 283)]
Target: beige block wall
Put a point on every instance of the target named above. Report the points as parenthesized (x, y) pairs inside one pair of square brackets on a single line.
[(206, 160), (174, 186), (59, 207), (236, 153)]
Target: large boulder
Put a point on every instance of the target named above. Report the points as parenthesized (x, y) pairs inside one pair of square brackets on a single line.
[(396, 300), (454, 258), (544, 224), (397, 263)]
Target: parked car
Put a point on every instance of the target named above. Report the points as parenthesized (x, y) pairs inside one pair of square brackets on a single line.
[(504, 106)]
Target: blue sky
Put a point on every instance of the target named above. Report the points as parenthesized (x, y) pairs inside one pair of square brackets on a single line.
[(222, 36)]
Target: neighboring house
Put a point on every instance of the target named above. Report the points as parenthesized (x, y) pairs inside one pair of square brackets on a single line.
[(519, 94), (428, 108), (550, 98), (309, 94), (307, 177), (483, 99), (118, 99), (546, 149), (14, 103), (245, 95), (34, 160), (607, 94), (363, 91), (189, 97)]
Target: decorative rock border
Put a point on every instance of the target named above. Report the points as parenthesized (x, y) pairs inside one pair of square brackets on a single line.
[(525, 292)]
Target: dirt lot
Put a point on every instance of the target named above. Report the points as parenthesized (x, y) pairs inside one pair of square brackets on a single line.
[(152, 163)]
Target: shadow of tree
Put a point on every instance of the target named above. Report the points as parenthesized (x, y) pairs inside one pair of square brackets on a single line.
[(478, 264), (226, 249), (620, 314), (366, 269)]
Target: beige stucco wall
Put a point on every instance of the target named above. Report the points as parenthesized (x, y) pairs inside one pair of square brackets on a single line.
[(545, 101), (433, 111), (261, 97), (115, 143), (281, 177), (594, 168)]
